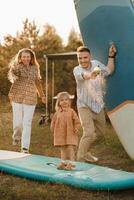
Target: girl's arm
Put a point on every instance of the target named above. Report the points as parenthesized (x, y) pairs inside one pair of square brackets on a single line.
[(52, 125), (76, 122)]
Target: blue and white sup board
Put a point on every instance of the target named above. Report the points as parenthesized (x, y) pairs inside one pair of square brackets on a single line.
[(102, 22), (85, 176)]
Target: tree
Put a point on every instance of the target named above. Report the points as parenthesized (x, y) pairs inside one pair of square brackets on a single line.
[(74, 41), (49, 42), (30, 33), (4, 83)]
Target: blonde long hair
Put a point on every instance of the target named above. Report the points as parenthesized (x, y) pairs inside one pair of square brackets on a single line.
[(59, 96), (16, 60)]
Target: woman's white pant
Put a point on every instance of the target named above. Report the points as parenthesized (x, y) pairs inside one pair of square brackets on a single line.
[(22, 121)]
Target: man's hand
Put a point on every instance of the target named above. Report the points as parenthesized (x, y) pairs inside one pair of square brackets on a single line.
[(92, 75), (112, 51)]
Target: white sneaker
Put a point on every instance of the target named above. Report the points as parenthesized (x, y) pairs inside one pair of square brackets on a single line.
[(91, 159), (24, 150)]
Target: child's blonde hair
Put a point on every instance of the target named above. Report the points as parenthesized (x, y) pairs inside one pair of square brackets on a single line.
[(59, 96)]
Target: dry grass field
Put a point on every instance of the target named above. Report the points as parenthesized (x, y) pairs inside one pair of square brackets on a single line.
[(110, 153)]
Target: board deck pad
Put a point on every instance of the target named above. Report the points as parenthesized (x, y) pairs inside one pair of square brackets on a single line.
[(85, 176)]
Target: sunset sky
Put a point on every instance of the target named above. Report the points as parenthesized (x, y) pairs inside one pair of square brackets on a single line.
[(58, 13)]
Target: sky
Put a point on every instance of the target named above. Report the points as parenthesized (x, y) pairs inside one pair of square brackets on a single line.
[(58, 13)]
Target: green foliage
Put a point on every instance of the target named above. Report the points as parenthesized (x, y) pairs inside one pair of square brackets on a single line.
[(49, 41), (4, 83), (74, 41), (30, 33)]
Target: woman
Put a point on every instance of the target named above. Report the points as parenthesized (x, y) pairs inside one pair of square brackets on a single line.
[(24, 74)]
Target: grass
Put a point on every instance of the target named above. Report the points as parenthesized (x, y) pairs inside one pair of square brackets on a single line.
[(110, 152)]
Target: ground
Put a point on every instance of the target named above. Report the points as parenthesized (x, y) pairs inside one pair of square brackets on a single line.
[(109, 151)]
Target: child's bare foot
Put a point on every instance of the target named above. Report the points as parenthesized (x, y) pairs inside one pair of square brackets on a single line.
[(62, 166), (70, 166)]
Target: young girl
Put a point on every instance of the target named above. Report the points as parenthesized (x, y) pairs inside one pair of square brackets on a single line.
[(24, 74), (65, 124)]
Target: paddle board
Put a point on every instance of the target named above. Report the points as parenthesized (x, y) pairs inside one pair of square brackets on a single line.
[(102, 22), (85, 176)]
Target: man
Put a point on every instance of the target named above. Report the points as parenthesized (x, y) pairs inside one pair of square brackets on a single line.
[(89, 76)]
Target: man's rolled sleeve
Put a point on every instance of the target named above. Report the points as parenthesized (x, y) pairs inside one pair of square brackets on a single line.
[(78, 74)]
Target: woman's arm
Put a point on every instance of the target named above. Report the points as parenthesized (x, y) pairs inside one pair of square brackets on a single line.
[(40, 90), (14, 73)]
